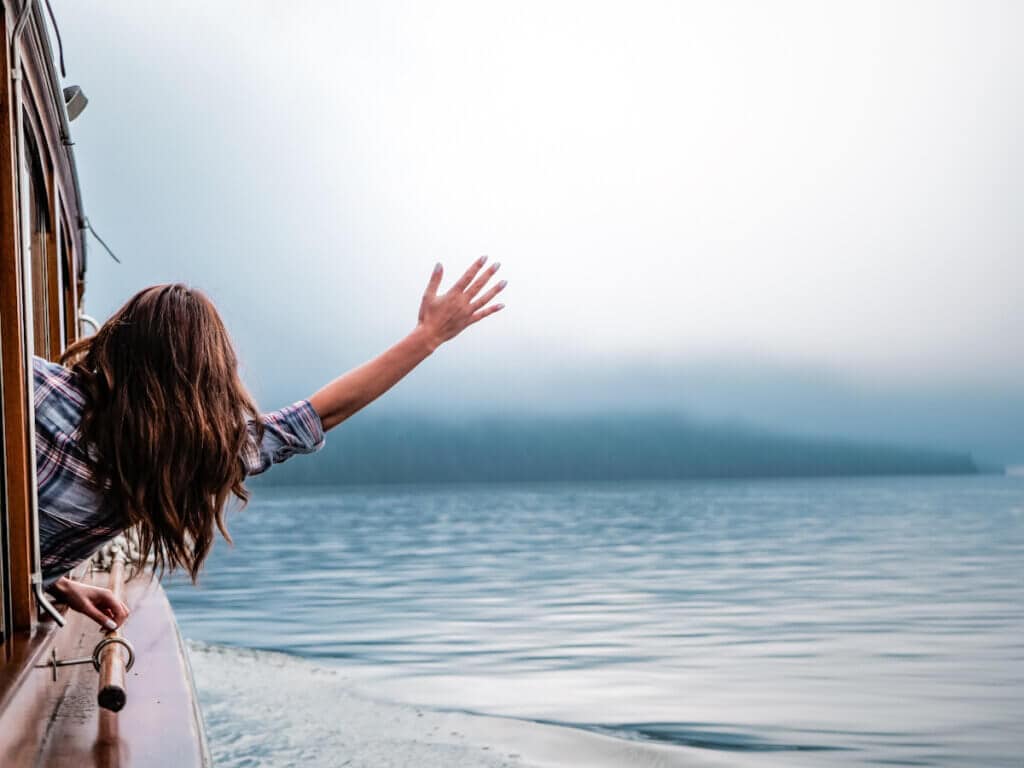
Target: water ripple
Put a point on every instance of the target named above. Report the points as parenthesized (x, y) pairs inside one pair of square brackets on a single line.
[(775, 611)]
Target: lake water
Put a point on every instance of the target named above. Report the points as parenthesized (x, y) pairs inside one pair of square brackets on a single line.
[(768, 623)]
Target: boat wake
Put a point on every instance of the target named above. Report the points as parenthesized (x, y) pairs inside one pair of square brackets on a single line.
[(268, 710)]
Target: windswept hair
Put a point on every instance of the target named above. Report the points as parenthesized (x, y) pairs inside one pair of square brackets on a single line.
[(165, 421)]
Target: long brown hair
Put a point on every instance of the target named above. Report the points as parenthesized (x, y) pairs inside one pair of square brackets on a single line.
[(165, 421)]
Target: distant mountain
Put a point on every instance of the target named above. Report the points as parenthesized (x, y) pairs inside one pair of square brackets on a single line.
[(391, 449)]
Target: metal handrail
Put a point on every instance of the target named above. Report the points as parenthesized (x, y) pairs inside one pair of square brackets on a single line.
[(88, 320)]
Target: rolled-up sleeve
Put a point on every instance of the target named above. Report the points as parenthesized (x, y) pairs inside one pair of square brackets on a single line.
[(291, 430)]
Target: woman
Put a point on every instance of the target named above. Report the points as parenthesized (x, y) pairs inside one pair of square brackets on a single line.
[(149, 425)]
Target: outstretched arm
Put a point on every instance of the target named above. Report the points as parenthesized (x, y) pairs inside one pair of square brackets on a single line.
[(442, 317)]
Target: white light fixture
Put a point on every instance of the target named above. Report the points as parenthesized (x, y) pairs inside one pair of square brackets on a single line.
[(75, 101)]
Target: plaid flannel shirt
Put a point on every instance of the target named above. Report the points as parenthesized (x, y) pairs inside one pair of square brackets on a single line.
[(73, 521)]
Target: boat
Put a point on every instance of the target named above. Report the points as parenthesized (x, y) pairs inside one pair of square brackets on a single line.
[(70, 694)]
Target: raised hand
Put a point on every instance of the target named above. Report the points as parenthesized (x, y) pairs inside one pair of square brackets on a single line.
[(444, 316)]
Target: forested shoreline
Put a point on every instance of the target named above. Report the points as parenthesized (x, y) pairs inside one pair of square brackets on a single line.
[(393, 449)]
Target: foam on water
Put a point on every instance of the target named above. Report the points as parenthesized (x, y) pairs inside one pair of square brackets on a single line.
[(273, 710), (799, 623)]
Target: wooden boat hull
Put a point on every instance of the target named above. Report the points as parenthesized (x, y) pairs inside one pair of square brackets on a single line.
[(42, 278), (45, 723)]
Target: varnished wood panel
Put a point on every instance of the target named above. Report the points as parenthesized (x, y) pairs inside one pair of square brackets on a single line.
[(55, 725), (42, 111), (16, 444)]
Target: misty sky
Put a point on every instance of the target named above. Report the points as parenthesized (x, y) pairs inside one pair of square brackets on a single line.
[(801, 214)]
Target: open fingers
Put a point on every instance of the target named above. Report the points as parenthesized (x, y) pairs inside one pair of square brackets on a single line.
[(481, 280), (464, 281), (435, 280), (486, 298), (478, 316)]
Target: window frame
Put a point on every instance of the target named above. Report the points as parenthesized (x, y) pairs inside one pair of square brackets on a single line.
[(31, 136)]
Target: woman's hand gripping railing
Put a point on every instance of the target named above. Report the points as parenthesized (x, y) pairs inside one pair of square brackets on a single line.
[(113, 656)]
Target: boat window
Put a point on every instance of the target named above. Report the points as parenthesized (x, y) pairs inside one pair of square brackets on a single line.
[(67, 283), (36, 218), (40, 248)]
